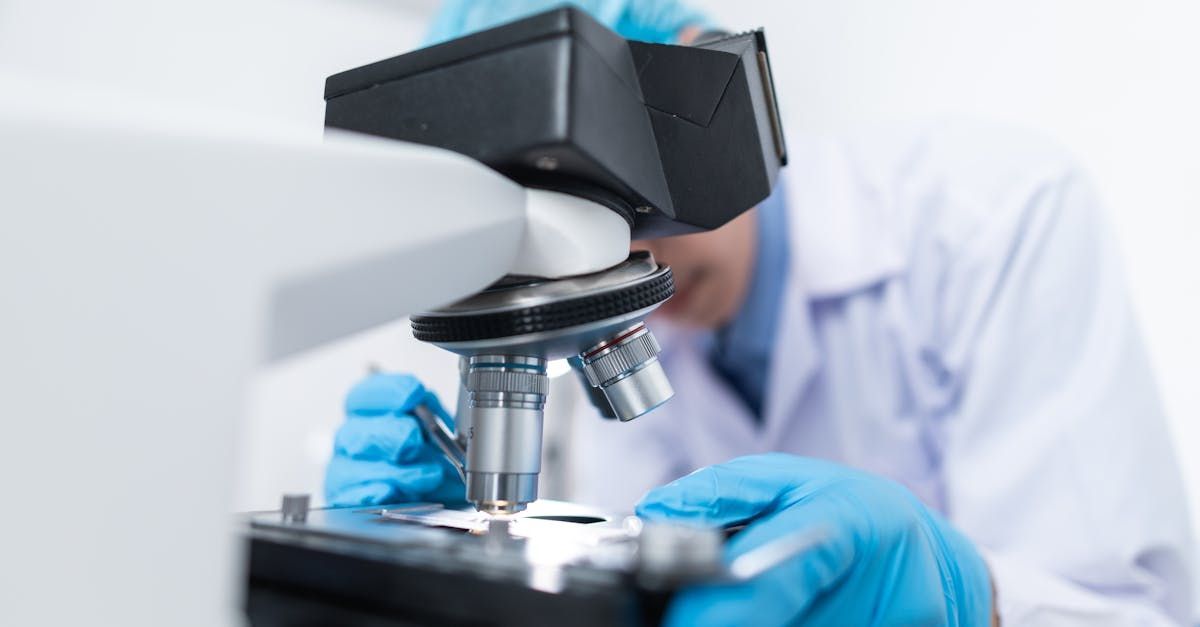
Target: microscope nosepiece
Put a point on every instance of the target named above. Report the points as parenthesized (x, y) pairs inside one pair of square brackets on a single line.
[(507, 333)]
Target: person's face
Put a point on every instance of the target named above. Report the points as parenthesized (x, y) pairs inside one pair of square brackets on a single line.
[(712, 271)]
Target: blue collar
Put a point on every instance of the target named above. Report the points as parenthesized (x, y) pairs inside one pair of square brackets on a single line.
[(742, 349)]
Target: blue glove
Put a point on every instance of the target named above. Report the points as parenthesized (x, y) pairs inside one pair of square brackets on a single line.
[(884, 559), (380, 454), (659, 21)]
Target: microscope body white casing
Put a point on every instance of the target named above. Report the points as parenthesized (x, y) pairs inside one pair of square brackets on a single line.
[(150, 260)]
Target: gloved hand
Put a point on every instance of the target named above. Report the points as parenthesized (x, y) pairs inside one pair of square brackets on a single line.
[(885, 559), (659, 21), (380, 454)]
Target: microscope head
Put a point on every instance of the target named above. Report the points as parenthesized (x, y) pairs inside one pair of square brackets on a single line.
[(672, 139), (676, 139)]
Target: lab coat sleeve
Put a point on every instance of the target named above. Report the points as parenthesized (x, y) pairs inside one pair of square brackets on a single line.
[(1055, 455)]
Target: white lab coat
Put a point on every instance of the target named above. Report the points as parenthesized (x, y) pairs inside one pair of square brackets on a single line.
[(955, 319)]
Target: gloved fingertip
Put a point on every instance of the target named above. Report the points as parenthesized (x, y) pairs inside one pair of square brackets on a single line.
[(409, 440), (359, 495), (394, 441), (735, 491), (361, 482), (430, 400), (693, 497), (384, 394), (658, 509), (414, 481)]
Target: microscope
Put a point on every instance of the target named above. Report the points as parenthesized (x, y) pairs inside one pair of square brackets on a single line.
[(627, 140), (613, 141)]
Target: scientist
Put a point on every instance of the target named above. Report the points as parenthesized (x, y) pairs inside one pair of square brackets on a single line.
[(920, 343)]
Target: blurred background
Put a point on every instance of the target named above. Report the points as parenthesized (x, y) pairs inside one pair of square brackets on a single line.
[(1114, 82)]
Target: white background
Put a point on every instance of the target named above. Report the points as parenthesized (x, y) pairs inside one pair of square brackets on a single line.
[(1115, 82)]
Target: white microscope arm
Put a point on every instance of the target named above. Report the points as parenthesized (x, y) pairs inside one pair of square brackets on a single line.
[(442, 227), (149, 262)]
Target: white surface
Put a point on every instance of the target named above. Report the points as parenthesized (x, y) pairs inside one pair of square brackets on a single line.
[(264, 57), (567, 235)]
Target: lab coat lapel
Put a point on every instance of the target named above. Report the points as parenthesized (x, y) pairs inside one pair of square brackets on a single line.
[(842, 231), (795, 358), (837, 245)]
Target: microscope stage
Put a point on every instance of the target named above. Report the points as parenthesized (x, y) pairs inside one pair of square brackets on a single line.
[(424, 564)]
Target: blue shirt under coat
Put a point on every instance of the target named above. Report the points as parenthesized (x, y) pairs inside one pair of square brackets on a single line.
[(741, 351)]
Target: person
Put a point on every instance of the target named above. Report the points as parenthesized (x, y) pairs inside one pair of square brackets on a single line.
[(920, 344)]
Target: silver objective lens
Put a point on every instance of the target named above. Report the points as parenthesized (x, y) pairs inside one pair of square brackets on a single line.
[(507, 394), (626, 369)]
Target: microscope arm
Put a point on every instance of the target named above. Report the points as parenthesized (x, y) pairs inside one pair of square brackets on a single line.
[(150, 260), (386, 229), (441, 227)]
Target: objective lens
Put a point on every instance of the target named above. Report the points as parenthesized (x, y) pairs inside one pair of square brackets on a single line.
[(504, 448), (626, 369)]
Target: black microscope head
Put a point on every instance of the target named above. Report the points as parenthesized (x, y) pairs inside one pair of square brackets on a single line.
[(674, 138)]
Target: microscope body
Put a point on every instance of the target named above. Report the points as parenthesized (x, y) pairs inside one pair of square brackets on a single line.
[(621, 140)]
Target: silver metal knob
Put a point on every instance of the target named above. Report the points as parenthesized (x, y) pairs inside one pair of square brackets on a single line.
[(294, 508)]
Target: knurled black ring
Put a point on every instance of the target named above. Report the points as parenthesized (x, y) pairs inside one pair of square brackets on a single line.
[(549, 317)]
